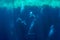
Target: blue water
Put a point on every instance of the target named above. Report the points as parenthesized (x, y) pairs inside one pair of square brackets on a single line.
[(33, 23)]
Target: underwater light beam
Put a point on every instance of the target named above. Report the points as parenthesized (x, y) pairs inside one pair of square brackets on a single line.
[(51, 32), (22, 6)]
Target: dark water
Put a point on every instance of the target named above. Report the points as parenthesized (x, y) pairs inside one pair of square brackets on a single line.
[(32, 23)]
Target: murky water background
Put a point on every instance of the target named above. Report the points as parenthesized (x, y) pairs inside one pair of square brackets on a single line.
[(30, 23)]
